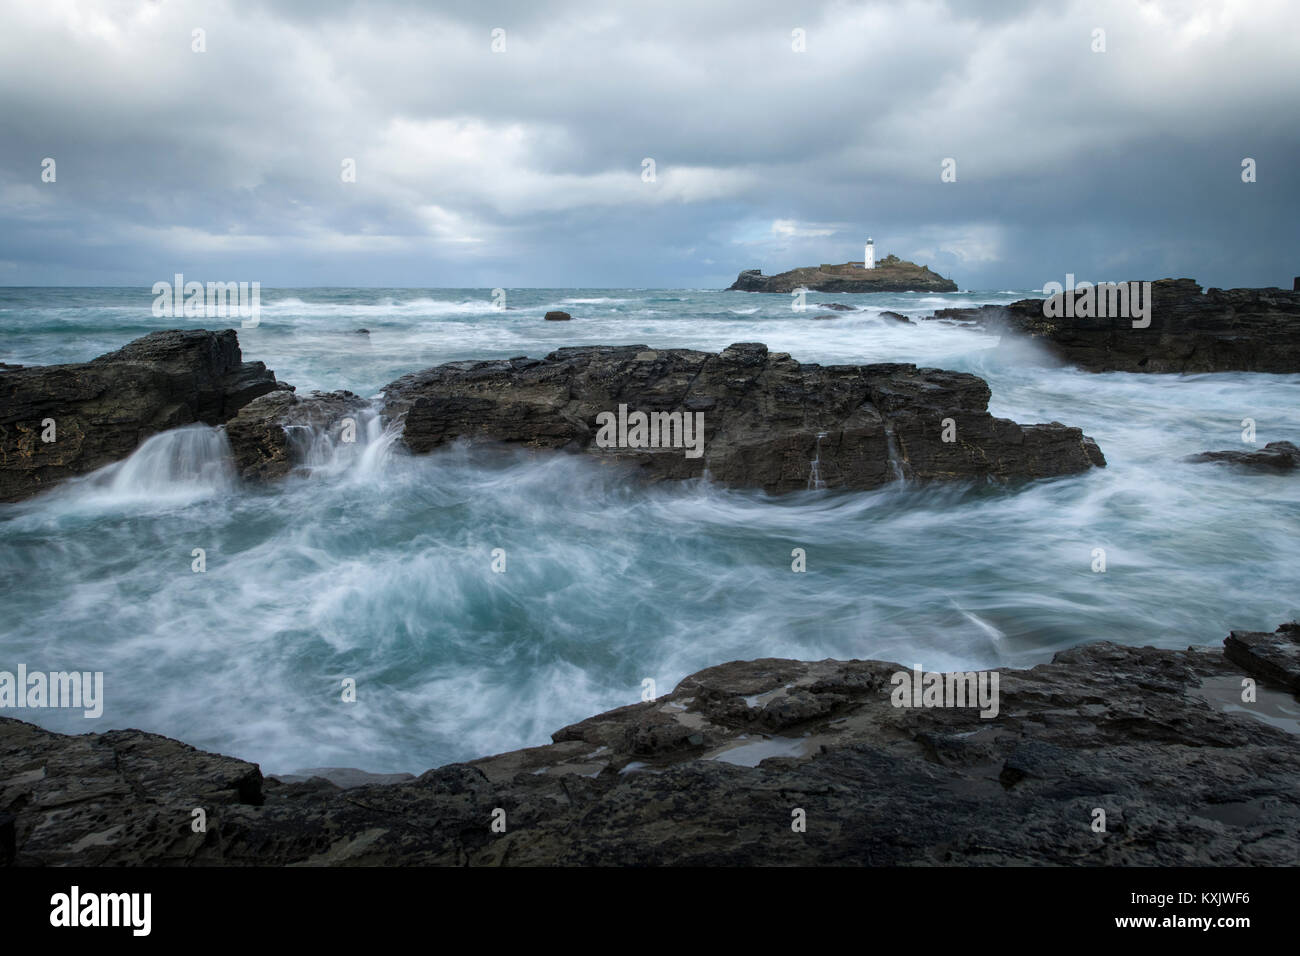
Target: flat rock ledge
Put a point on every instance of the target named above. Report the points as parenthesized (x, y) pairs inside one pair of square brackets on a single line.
[(767, 418), (713, 773), (1221, 330), (104, 409)]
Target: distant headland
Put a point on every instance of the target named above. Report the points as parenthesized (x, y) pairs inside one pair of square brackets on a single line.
[(890, 274)]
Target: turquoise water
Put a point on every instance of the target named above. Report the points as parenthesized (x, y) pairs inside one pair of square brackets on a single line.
[(377, 566)]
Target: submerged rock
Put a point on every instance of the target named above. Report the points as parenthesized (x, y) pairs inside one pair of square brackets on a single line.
[(104, 409), (891, 274), (766, 418), (715, 773), (1248, 330), (262, 435), (557, 316), (1275, 456)]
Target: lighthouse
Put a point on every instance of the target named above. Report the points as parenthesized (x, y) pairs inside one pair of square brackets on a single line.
[(869, 258)]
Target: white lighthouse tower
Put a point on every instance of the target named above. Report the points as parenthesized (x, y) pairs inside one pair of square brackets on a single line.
[(869, 258)]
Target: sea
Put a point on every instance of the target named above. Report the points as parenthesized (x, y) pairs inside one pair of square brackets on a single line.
[(375, 568)]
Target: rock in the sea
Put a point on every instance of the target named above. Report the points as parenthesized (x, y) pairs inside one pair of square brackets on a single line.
[(766, 417), (271, 434), (890, 275), (557, 316), (895, 317), (715, 772), (836, 306), (103, 409), (1247, 330), (1275, 456)]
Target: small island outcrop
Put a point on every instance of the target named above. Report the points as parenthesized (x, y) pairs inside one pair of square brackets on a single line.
[(890, 274)]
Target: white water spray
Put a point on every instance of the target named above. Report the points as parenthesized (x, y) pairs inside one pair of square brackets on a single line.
[(815, 482), (178, 465), (325, 451)]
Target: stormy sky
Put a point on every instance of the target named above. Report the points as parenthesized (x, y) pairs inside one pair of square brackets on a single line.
[(523, 166)]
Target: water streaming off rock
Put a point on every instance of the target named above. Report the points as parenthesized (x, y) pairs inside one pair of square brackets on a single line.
[(175, 466)]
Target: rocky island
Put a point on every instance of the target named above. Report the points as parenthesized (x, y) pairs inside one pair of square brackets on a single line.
[(890, 274)]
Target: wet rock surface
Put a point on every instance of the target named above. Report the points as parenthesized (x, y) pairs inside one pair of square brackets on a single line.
[(1275, 456), (1273, 657), (104, 409), (767, 418), (713, 773), (1220, 330), (269, 436)]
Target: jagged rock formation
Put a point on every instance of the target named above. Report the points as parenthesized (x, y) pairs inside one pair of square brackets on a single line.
[(1275, 456), (1248, 330), (103, 409), (262, 434), (766, 417), (1186, 772), (891, 274)]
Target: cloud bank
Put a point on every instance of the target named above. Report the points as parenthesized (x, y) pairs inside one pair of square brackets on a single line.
[(526, 165)]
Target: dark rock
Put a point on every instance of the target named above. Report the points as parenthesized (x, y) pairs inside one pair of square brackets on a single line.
[(890, 275), (895, 317), (269, 435), (1248, 330), (362, 332), (837, 307), (826, 315), (766, 416), (980, 314), (557, 317), (104, 409), (710, 775), (1274, 657), (1275, 456)]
